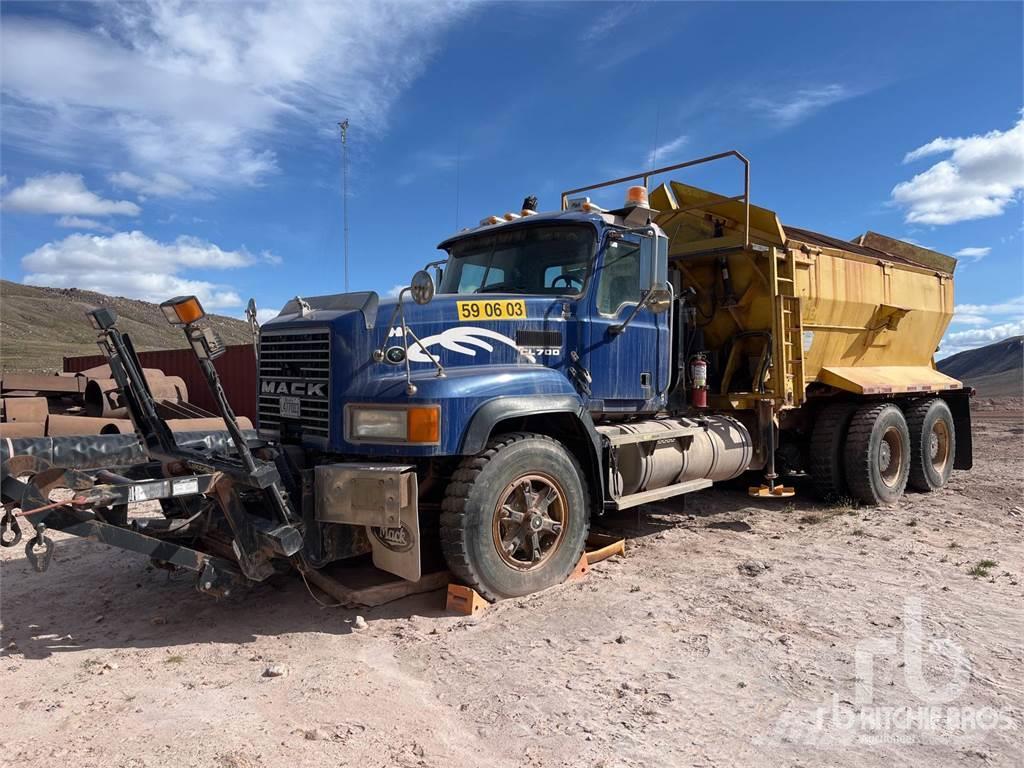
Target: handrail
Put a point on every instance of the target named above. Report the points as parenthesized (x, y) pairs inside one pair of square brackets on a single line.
[(646, 175)]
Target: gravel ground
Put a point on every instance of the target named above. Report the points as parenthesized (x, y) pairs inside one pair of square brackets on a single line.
[(734, 632)]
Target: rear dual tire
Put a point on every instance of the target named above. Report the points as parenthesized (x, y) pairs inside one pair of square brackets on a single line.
[(874, 451), (877, 454), (932, 444)]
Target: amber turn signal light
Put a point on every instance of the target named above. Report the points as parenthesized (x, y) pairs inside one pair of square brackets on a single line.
[(182, 310)]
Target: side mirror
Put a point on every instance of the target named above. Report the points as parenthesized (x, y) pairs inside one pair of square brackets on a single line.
[(422, 287)]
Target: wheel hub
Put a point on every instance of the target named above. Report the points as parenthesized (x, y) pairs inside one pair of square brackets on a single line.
[(884, 456), (891, 457), (529, 520)]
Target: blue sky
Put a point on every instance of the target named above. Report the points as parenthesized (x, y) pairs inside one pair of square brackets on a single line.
[(157, 148)]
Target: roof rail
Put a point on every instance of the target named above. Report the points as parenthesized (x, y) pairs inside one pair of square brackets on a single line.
[(646, 175)]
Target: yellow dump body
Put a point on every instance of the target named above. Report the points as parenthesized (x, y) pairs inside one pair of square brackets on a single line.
[(863, 316)]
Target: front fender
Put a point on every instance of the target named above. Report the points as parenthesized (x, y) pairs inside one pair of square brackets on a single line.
[(499, 409)]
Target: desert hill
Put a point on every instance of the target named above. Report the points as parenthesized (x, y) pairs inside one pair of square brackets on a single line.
[(40, 326)]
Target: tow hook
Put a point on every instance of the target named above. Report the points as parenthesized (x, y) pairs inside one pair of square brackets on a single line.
[(40, 559), (10, 530)]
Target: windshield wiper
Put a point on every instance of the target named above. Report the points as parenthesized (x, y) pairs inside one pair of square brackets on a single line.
[(499, 287)]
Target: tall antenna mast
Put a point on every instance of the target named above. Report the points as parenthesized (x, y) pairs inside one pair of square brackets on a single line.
[(343, 127)]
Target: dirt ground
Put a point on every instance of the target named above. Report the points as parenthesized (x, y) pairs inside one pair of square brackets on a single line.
[(734, 632)]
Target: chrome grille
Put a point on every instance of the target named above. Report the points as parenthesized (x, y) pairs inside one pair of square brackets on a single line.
[(296, 364)]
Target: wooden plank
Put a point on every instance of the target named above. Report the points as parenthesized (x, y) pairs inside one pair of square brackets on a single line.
[(387, 589)]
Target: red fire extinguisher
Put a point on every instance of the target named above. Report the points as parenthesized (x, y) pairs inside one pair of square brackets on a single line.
[(699, 381)]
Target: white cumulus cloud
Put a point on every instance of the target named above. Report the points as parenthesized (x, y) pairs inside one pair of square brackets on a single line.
[(199, 91), (990, 323), (77, 222), (264, 314), (160, 184), (981, 176), (958, 341), (64, 193), (134, 265)]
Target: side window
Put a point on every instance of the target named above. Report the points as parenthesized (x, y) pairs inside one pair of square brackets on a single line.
[(620, 277)]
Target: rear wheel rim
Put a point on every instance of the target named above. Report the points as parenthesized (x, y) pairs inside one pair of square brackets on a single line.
[(938, 446), (890, 457), (529, 521)]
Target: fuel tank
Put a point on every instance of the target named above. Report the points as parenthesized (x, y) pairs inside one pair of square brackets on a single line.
[(676, 450)]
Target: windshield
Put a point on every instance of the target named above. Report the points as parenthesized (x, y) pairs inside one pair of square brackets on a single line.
[(541, 259)]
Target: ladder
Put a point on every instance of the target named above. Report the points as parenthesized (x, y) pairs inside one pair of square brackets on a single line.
[(788, 329)]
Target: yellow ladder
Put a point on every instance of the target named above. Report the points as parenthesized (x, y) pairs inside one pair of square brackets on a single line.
[(788, 331)]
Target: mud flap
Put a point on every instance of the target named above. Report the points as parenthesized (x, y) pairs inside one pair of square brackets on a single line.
[(397, 550), (383, 499)]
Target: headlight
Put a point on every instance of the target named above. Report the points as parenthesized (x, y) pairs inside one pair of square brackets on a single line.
[(369, 424)]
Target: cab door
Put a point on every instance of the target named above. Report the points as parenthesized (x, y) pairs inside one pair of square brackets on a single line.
[(628, 367)]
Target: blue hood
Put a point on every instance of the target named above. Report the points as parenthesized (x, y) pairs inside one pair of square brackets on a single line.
[(482, 358)]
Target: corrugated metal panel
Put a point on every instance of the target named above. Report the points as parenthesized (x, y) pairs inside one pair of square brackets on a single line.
[(237, 369)]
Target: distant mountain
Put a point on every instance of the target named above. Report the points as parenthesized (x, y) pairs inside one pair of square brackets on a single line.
[(996, 370), (39, 326)]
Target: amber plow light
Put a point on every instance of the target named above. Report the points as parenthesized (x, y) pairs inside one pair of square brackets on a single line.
[(182, 310)]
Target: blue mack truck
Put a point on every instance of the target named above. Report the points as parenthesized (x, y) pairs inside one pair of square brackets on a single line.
[(503, 406), (554, 367)]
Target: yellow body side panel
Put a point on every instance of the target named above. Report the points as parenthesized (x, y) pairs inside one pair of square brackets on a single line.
[(862, 313)]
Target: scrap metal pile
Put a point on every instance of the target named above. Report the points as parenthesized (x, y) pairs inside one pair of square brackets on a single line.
[(89, 403)]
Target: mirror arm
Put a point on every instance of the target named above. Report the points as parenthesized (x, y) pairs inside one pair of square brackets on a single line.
[(619, 328)]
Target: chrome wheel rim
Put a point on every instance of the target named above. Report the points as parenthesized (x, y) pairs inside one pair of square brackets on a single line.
[(529, 521)]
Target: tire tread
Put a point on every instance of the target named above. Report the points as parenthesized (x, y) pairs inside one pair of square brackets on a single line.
[(827, 460), (454, 514)]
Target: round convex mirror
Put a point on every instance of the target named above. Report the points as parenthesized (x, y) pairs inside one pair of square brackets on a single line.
[(422, 287)]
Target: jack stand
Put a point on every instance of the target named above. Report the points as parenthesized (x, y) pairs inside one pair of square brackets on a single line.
[(769, 490)]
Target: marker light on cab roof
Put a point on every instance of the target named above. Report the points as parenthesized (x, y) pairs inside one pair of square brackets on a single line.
[(636, 196)]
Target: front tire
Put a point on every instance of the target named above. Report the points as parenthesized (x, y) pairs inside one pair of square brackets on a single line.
[(515, 517), (877, 454), (932, 444)]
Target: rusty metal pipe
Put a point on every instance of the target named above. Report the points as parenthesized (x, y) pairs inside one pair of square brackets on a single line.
[(99, 451), (61, 425), (103, 399), (23, 429), (31, 409)]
